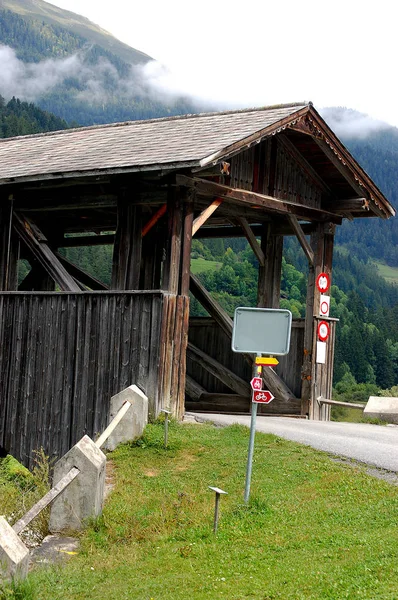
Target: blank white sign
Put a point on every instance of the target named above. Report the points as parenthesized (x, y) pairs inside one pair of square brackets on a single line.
[(262, 330)]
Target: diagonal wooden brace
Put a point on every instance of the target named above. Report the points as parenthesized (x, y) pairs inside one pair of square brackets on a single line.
[(37, 244)]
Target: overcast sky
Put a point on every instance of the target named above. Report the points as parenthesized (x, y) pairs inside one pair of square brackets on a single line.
[(257, 52)]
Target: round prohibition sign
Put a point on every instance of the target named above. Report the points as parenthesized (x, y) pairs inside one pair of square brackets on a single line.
[(324, 308), (323, 282), (323, 331)]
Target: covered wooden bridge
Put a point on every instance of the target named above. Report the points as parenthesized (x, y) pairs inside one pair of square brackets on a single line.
[(68, 343)]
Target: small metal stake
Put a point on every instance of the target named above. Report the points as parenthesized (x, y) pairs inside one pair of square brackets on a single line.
[(218, 494), (166, 424)]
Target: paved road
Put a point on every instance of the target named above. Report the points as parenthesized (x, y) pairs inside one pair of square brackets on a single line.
[(371, 444)]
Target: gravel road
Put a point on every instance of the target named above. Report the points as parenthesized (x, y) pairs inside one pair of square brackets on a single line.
[(374, 445)]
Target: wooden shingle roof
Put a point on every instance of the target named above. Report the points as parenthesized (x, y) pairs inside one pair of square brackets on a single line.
[(190, 140)]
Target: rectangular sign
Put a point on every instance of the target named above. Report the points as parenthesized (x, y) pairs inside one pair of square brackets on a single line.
[(262, 331), (321, 353)]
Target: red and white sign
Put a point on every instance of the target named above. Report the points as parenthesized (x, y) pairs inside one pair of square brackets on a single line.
[(323, 331), (257, 383), (323, 282), (324, 306), (262, 397)]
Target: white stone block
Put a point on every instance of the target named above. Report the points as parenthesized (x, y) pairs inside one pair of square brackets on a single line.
[(134, 421), (385, 409), (84, 497), (14, 555)]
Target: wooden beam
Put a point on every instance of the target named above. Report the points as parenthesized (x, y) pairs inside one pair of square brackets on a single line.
[(87, 240), (251, 238), (301, 238), (36, 242), (193, 389), (154, 219), (204, 215), (81, 275), (186, 246), (245, 197), (210, 305), (218, 370), (127, 249), (273, 381), (171, 265)]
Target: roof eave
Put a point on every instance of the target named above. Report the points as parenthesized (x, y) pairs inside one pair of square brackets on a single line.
[(357, 172), (254, 138)]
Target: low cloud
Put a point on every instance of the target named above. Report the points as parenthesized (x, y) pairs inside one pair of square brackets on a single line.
[(347, 123), (98, 83)]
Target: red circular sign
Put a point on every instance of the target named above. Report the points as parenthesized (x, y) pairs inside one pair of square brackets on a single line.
[(323, 282), (323, 331)]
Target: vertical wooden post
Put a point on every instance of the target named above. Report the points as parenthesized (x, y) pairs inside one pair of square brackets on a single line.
[(171, 269), (9, 248), (324, 373), (309, 405), (127, 250), (269, 276), (187, 244)]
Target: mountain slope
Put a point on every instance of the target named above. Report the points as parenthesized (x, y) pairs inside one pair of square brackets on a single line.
[(38, 10), (375, 146)]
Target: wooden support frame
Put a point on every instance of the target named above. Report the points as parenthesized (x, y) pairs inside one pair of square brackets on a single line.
[(245, 197), (81, 275), (228, 378), (269, 275), (273, 381), (37, 244), (205, 214), (9, 247), (171, 266), (301, 238), (154, 219), (251, 238), (127, 249)]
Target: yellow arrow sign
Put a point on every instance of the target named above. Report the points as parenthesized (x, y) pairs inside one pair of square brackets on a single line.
[(266, 361)]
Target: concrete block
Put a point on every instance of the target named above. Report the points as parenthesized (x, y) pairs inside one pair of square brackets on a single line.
[(134, 421), (84, 497), (14, 555), (385, 409)]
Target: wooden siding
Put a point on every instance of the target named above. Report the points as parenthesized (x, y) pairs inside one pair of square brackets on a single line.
[(63, 355), (206, 335), (251, 170)]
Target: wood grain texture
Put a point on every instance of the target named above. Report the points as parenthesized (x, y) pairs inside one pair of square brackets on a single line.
[(63, 355)]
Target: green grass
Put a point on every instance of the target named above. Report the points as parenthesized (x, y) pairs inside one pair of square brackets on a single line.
[(198, 265), (390, 274), (314, 529)]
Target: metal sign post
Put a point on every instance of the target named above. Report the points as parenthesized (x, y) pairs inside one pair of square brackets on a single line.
[(251, 442), (260, 331)]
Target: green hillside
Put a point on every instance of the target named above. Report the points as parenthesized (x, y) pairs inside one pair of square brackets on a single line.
[(37, 11), (101, 83)]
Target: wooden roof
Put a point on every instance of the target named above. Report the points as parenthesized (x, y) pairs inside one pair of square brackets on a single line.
[(136, 145), (190, 141)]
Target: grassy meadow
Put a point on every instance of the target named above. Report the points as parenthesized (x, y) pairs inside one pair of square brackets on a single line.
[(314, 528), (390, 274)]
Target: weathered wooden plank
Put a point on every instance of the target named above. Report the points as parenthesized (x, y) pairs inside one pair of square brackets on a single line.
[(251, 238), (193, 389), (245, 197), (205, 215), (91, 282), (301, 238), (229, 378), (213, 308), (186, 247), (43, 253), (171, 268)]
